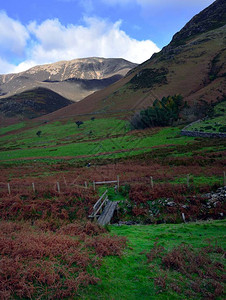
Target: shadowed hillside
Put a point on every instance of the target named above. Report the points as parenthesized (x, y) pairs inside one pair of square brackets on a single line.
[(31, 104)]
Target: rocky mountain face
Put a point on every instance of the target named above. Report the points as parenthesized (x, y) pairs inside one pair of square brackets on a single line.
[(66, 80), (71, 79), (210, 18), (193, 65)]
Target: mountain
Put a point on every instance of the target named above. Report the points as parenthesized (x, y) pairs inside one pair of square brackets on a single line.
[(43, 89), (193, 65), (73, 79)]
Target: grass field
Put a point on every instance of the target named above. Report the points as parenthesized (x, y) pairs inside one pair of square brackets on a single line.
[(63, 147), (132, 277), (57, 133), (102, 137)]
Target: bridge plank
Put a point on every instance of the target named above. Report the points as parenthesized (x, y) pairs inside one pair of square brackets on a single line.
[(108, 212)]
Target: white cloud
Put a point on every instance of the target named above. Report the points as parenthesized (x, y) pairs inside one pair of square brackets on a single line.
[(13, 35), (97, 38), (25, 65), (51, 41), (6, 67)]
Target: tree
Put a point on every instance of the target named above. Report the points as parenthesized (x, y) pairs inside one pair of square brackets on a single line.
[(163, 113), (38, 133), (78, 123)]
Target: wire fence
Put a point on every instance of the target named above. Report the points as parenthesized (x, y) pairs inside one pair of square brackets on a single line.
[(64, 186)]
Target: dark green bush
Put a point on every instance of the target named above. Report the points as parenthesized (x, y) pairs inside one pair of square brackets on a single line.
[(163, 113), (222, 129)]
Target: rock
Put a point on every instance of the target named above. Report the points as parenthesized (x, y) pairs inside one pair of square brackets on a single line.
[(185, 206), (171, 203), (216, 198)]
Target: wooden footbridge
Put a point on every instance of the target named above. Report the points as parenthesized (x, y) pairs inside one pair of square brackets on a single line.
[(103, 210)]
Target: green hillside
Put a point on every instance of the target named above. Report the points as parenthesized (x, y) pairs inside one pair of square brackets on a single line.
[(110, 137), (216, 123)]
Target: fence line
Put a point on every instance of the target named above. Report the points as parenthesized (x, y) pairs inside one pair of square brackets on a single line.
[(10, 187), (106, 182)]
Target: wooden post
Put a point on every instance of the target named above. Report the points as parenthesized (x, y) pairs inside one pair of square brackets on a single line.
[(58, 187), (224, 178), (188, 184), (183, 216), (118, 181), (33, 186), (9, 190), (86, 185), (94, 188), (65, 182), (152, 183)]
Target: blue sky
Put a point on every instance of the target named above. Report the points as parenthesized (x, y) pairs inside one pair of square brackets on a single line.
[(35, 32)]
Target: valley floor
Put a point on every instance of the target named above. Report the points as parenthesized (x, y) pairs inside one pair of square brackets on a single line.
[(47, 193)]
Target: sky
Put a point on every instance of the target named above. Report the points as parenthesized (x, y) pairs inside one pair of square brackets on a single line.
[(35, 32)]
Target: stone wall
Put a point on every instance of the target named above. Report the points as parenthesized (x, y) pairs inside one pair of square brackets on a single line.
[(186, 132), (203, 134)]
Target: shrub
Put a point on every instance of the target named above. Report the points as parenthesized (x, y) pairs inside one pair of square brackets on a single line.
[(198, 274), (162, 113), (39, 264), (222, 129), (47, 204), (149, 77)]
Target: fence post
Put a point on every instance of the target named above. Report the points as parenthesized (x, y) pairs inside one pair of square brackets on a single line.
[(86, 185), (152, 183), (183, 216), (33, 186), (188, 184), (118, 181), (9, 190), (94, 188), (58, 187), (224, 178)]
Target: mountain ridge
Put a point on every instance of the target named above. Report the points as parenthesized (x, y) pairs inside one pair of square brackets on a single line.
[(48, 75), (69, 81), (210, 18)]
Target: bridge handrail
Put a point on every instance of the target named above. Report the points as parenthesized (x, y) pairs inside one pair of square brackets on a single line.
[(99, 204)]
